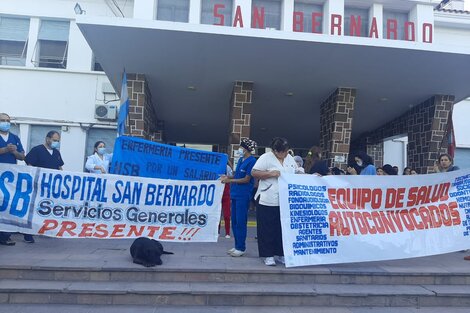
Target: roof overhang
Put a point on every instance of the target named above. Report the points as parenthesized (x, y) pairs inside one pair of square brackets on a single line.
[(191, 70)]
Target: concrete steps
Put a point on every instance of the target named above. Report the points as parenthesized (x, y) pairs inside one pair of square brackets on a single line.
[(209, 293), (61, 308), (268, 275), (79, 275)]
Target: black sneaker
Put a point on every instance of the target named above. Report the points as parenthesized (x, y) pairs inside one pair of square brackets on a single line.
[(28, 238), (7, 242)]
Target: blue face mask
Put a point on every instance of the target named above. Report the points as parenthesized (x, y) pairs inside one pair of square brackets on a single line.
[(55, 145), (5, 126), (101, 151)]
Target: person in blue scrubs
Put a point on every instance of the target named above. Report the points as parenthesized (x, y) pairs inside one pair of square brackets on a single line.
[(46, 155), (11, 150), (241, 188)]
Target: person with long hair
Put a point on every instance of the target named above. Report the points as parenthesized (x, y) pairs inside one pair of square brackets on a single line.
[(445, 163), (407, 171), (314, 164), (365, 163), (267, 169), (99, 161)]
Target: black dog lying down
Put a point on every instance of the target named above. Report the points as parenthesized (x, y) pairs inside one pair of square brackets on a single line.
[(147, 252)]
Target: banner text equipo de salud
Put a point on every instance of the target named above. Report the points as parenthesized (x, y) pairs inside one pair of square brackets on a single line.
[(426, 207)]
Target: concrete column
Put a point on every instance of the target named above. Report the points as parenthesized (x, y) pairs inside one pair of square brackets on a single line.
[(195, 11), (420, 15), (240, 115), (79, 54), (332, 7), (376, 10), (427, 125), (142, 119), (145, 9), (287, 15), (336, 117)]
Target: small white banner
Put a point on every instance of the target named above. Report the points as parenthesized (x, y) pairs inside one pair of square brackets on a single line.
[(82, 205), (340, 219)]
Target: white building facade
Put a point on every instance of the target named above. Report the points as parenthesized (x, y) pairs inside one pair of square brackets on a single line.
[(51, 80)]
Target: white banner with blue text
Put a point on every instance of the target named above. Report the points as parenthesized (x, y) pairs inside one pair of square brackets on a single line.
[(340, 219), (84, 205)]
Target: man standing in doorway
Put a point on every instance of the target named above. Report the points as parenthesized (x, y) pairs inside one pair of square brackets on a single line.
[(11, 150), (241, 187)]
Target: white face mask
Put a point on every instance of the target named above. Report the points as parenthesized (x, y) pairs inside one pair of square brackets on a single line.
[(4, 126), (55, 145), (240, 152), (101, 151), (359, 163)]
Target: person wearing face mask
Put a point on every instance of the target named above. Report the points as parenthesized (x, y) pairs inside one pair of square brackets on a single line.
[(241, 187), (365, 163), (267, 169), (99, 161), (46, 155), (11, 150)]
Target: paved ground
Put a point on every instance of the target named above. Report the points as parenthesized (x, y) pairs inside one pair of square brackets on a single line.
[(98, 253), (144, 309)]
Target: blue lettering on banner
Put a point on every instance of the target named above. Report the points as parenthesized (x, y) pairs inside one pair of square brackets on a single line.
[(21, 198), (462, 195), (139, 157), (309, 216)]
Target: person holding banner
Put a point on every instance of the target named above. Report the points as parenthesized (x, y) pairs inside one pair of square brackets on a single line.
[(268, 217), (241, 186), (99, 161), (445, 163), (11, 150), (46, 155), (226, 204)]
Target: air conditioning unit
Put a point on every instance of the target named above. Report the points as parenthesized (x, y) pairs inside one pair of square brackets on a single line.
[(105, 112)]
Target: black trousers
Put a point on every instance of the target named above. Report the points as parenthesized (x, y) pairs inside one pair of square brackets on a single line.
[(268, 223), (4, 236)]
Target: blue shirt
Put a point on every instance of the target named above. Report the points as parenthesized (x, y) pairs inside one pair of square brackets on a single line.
[(10, 157), (39, 156), (369, 170), (244, 167)]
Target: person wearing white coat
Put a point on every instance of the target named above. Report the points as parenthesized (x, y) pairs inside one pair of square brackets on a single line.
[(99, 161)]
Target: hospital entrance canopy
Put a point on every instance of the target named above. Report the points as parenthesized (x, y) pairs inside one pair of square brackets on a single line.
[(191, 70)]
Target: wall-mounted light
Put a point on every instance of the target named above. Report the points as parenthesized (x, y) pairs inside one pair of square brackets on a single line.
[(289, 94), (78, 9), (192, 88)]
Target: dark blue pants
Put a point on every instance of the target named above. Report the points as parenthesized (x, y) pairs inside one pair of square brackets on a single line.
[(4, 236), (239, 222)]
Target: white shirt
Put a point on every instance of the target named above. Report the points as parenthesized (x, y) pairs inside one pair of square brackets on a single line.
[(95, 160), (268, 189)]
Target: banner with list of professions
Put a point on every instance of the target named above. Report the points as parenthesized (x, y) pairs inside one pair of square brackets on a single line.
[(84, 205), (341, 219), (138, 157)]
